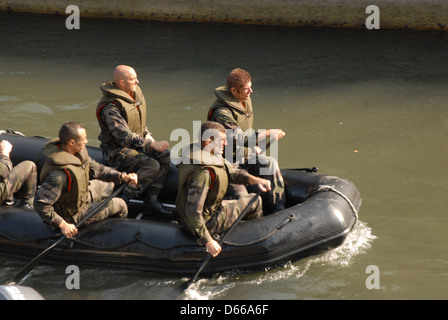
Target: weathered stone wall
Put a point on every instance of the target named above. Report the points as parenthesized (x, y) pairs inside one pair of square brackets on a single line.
[(412, 14)]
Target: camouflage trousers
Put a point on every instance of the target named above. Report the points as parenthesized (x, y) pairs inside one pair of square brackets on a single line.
[(267, 167), (21, 182), (100, 190), (231, 210), (151, 168)]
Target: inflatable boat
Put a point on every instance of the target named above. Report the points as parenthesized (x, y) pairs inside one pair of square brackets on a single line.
[(320, 212)]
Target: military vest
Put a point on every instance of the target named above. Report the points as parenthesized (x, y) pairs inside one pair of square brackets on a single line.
[(75, 197), (219, 174), (133, 111), (243, 114)]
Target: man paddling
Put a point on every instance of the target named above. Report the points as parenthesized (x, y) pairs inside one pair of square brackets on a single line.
[(72, 182), (203, 179), (126, 141), (20, 180)]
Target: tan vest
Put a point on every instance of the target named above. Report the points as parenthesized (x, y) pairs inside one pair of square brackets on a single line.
[(243, 114), (75, 197), (217, 189), (132, 110)]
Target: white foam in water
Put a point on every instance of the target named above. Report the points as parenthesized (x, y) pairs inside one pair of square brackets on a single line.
[(357, 242)]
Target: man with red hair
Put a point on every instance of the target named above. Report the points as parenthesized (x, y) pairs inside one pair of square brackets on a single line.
[(233, 109)]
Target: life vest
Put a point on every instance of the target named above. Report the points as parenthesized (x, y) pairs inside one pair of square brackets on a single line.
[(219, 179), (132, 109), (72, 200), (242, 113)]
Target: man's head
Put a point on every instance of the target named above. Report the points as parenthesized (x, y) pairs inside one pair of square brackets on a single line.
[(125, 78), (239, 83), (213, 137), (73, 137)]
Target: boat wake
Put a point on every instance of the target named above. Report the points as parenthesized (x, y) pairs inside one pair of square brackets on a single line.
[(233, 284)]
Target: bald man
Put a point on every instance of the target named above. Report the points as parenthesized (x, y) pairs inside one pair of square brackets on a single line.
[(126, 141)]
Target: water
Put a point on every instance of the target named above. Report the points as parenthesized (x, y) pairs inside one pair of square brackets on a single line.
[(368, 106)]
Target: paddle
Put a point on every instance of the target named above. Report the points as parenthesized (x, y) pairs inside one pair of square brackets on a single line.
[(221, 241), (33, 263)]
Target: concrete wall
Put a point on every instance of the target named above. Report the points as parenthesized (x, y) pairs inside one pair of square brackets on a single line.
[(412, 14)]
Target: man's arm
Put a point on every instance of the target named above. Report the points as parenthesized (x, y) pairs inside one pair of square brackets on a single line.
[(197, 193), (5, 162), (240, 176), (198, 186), (102, 172), (47, 195), (105, 173)]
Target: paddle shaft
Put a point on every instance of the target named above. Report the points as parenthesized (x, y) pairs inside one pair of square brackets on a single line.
[(33, 263), (223, 238)]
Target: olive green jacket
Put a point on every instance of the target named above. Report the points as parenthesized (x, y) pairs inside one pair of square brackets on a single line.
[(238, 121), (230, 112), (5, 169), (64, 192), (132, 110), (203, 181)]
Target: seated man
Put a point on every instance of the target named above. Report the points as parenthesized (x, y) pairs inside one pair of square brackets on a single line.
[(20, 180), (203, 179), (233, 109), (126, 141), (71, 182)]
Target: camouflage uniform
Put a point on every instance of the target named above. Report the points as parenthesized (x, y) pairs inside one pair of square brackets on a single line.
[(20, 180), (201, 189), (122, 119), (239, 117), (59, 183)]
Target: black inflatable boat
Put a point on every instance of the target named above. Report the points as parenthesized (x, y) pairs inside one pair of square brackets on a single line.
[(321, 211)]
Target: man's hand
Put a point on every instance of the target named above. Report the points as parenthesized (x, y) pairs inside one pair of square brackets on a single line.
[(276, 134), (132, 178), (213, 248), (160, 145), (69, 230), (263, 184), (5, 148)]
